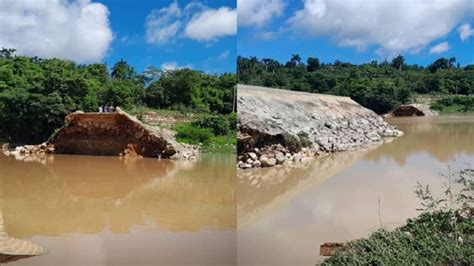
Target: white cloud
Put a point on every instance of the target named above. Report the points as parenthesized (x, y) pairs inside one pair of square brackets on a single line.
[(212, 24), (258, 12), (173, 66), (195, 21), (267, 35), (439, 48), (465, 31), (392, 26), (224, 55), (75, 30), (163, 25)]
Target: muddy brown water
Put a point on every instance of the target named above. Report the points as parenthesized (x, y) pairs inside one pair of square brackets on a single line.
[(106, 211), (284, 215)]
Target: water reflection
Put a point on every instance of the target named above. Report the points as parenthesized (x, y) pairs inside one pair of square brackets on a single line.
[(122, 204), (262, 191), (443, 137), (288, 217)]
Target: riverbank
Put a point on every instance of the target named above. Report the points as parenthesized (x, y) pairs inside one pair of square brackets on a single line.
[(441, 235)]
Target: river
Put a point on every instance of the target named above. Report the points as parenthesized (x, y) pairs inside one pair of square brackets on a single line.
[(285, 214), (108, 211)]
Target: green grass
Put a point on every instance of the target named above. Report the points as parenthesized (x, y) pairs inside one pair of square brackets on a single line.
[(214, 133), (221, 144)]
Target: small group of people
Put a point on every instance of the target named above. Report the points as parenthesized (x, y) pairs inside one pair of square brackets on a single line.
[(107, 108)]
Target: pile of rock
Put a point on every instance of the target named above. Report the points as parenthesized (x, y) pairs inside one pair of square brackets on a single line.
[(324, 123), (273, 155), (43, 148), (41, 153)]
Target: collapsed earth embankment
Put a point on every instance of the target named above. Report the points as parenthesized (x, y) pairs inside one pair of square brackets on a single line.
[(275, 126), (111, 134)]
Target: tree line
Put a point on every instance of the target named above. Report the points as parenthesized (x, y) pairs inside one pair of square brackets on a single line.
[(36, 93), (380, 86)]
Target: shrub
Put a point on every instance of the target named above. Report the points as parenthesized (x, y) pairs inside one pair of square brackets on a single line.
[(191, 134), (232, 121), (219, 124), (441, 235), (453, 104), (304, 139)]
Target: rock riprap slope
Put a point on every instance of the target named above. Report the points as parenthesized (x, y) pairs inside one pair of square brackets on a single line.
[(277, 126)]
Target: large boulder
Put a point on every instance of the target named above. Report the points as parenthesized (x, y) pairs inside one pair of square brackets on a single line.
[(295, 119)]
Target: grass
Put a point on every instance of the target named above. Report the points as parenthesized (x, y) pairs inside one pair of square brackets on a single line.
[(221, 144), (442, 235), (214, 133)]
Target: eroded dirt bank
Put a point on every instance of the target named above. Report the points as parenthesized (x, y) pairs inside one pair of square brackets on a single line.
[(110, 134), (279, 126)]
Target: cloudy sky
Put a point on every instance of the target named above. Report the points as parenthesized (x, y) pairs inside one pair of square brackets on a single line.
[(166, 33), (207, 34), (357, 30)]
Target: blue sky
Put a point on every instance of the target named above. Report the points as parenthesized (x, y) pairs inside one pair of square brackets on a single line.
[(357, 31), (199, 34), (128, 20)]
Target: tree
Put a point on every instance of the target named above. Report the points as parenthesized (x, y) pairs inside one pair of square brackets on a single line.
[(7, 53), (122, 70), (294, 61), (398, 62), (312, 64), (441, 63)]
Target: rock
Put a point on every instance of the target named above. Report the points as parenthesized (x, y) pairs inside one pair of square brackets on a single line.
[(328, 249), (297, 157), (249, 161), (267, 162), (280, 158), (330, 123), (256, 163), (252, 155)]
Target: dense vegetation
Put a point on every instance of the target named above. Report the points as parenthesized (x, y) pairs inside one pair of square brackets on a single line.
[(442, 235), (36, 94), (378, 86), (216, 133), (454, 104)]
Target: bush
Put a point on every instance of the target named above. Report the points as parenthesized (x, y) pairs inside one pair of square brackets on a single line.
[(219, 124), (191, 134), (430, 239), (232, 121), (454, 104), (441, 235)]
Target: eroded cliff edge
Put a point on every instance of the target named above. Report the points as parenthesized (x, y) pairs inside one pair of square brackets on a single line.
[(276, 126), (115, 134)]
